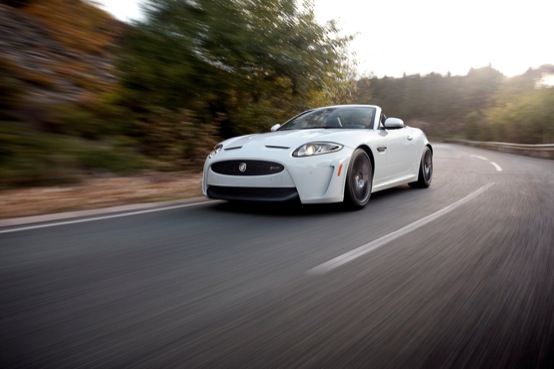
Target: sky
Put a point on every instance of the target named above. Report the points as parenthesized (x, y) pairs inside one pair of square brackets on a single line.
[(397, 37)]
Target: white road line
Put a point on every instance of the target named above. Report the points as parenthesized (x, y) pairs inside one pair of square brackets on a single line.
[(496, 166), (104, 217), (370, 246)]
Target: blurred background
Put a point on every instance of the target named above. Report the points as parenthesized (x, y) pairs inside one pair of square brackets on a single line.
[(111, 102), (84, 92)]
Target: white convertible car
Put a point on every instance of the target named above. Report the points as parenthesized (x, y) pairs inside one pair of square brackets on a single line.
[(324, 155)]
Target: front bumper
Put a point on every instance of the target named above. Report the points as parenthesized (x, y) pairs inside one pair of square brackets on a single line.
[(318, 179)]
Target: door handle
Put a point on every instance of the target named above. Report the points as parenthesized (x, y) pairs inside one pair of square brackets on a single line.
[(410, 138)]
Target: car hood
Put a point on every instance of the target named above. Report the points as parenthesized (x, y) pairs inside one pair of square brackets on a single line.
[(291, 139)]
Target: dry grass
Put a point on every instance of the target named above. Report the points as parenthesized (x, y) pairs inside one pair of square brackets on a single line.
[(99, 193)]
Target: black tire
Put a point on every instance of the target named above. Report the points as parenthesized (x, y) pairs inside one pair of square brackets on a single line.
[(425, 170), (359, 180)]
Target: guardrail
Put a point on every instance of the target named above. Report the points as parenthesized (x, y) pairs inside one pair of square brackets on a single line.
[(545, 151)]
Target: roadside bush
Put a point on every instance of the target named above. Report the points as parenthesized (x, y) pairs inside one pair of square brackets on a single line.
[(180, 139), (76, 121), (28, 158), (11, 90), (108, 159)]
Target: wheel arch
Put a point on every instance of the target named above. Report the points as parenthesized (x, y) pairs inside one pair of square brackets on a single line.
[(369, 153), (353, 197)]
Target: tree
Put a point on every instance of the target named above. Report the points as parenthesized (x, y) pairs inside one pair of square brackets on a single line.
[(480, 87), (253, 61), (527, 118)]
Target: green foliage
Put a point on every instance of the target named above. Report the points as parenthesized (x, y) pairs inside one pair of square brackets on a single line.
[(480, 87), (253, 61), (93, 117), (108, 159), (28, 157), (476, 127), (77, 121), (527, 118), (523, 110), (177, 138), (482, 106)]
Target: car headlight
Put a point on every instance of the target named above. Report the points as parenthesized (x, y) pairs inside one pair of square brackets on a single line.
[(217, 148), (316, 148)]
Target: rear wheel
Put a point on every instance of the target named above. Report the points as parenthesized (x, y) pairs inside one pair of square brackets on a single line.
[(425, 170), (359, 180)]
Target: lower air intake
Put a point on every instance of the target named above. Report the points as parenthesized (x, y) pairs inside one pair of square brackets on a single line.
[(276, 194)]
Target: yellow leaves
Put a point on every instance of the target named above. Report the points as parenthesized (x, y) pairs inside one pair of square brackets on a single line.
[(76, 24)]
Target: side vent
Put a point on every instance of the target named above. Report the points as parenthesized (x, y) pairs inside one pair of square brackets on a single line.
[(277, 147)]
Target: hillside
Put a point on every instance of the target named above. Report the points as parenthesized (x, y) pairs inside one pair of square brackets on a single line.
[(54, 51), (58, 91)]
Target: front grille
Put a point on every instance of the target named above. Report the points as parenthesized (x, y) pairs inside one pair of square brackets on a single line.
[(274, 194), (247, 167)]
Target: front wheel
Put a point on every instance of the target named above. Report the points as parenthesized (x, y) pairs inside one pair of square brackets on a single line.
[(359, 180), (425, 170)]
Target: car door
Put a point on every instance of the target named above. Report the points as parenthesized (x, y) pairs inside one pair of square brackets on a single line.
[(413, 150), (399, 148), (397, 151)]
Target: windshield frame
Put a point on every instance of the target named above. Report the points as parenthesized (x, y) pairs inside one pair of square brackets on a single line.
[(333, 117)]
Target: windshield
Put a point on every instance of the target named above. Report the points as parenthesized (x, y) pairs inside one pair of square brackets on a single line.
[(350, 117)]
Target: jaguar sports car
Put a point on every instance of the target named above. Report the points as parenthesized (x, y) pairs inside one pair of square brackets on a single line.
[(331, 154)]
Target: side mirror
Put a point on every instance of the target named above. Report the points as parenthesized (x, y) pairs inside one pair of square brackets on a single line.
[(394, 123), (275, 127)]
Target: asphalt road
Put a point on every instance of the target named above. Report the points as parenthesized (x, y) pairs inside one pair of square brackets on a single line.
[(460, 275)]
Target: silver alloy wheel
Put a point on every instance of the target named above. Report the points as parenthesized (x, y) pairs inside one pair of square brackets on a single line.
[(428, 165), (425, 174), (359, 180)]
